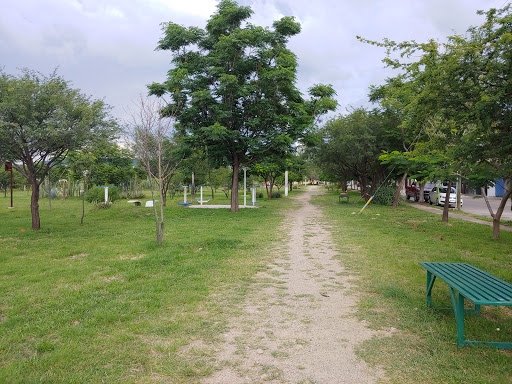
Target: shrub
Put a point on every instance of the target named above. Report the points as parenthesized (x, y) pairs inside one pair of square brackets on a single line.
[(384, 195), (97, 195), (276, 194)]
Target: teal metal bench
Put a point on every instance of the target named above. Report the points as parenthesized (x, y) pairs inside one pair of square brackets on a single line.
[(341, 196), (468, 282)]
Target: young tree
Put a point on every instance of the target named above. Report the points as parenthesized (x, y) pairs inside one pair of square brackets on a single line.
[(151, 132), (269, 171), (233, 85), (41, 119)]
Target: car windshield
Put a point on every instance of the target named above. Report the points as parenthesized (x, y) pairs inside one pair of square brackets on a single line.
[(443, 190)]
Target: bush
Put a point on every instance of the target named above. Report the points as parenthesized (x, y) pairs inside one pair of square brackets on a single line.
[(384, 195), (97, 195), (275, 195)]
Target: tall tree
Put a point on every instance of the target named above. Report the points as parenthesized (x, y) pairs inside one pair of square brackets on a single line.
[(234, 86), (41, 119), (351, 145), (464, 88)]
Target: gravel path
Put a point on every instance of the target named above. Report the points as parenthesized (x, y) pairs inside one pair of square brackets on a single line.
[(298, 324)]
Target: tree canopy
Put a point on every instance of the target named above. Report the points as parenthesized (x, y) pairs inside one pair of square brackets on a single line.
[(41, 119), (233, 86), (454, 100)]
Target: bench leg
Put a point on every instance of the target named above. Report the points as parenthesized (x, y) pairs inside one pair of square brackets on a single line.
[(458, 308), (430, 283)]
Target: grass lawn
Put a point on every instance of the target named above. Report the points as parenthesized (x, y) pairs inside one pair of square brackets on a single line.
[(101, 302), (383, 248)]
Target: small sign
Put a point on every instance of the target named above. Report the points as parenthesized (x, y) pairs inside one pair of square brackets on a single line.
[(8, 166)]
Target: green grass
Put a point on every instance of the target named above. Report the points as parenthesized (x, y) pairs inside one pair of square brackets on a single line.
[(383, 248), (101, 302)]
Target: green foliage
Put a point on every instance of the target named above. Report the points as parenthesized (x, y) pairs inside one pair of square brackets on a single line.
[(233, 86), (276, 194), (41, 119), (454, 99), (384, 195), (97, 195), (351, 146)]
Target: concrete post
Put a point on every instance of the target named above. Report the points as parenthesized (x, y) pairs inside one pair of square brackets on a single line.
[(286, 183), (245, 185)]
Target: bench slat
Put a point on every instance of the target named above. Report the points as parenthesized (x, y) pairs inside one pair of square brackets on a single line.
[(479, 284), (476, 285)]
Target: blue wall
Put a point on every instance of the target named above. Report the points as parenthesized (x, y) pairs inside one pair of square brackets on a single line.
[(500, 188)]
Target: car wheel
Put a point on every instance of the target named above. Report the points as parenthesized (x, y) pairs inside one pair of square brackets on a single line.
[(430, 201)]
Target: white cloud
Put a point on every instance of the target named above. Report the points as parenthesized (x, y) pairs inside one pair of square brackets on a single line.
[(106, 47)]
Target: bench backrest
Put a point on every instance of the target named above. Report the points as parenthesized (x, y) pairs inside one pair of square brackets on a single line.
[(476, 285)]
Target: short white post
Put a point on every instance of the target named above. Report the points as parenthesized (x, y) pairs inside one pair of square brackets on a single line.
[(245, 185), (106, 194), (286, 183), (185, 193), (253, 196), (201, 201)]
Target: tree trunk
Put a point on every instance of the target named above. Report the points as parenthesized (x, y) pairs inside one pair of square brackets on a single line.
[(496, 217), (398, 190), (165, 189), (364, 193), (422, 190), (83, 203), (234, 184), (34, 205), (447, 203)]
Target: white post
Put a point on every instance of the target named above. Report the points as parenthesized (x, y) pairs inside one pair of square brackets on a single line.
[(286, 183), (201, 201), (459, 192), (245, 185), (305, 181), (185, 193), (253, 196), (106, 195)]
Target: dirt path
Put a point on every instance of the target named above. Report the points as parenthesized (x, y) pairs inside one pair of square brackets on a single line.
[(298, 324)]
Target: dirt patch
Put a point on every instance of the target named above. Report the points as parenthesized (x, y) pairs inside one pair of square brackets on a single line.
[(299, 323)]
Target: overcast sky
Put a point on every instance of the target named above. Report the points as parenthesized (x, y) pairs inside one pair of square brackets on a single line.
[(106, 47)]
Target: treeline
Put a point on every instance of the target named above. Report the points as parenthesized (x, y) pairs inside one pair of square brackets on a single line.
[(445, 116)]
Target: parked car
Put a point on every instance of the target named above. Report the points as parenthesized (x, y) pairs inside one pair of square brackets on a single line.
[(412, 192), (426, 191), (437, 196)]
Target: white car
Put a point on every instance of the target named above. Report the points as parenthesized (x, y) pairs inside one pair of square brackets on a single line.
[(437, 196)]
